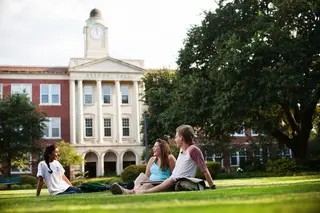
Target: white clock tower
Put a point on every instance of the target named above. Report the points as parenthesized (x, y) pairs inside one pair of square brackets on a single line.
[(95, 36)]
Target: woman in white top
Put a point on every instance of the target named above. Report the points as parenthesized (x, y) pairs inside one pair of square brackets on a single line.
[(51, 172)]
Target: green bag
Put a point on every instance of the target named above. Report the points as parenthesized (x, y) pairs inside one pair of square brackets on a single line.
[(93, 187)]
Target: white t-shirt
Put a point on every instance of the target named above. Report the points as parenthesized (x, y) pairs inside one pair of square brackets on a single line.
[(188, 162), (54, 181)]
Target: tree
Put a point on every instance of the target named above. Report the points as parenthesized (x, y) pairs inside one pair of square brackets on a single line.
[(259, 62), (21, 128), (159, 94), (68, 154)]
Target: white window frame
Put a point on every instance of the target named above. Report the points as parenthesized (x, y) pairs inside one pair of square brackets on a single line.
[(286, 152), (125, 126), (122, 89), (241, 134), (258, 156), (218, 155), (105, 94), (87, 91), (1, 90), (105, 127), (49, 124), (50, 94), (21, 88), (87, 127), (16, 172), (237, 155), (253, 133)]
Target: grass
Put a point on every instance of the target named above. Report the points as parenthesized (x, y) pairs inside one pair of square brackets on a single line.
[(282, 194)]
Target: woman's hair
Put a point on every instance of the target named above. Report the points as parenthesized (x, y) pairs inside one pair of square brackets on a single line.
[(164, 153), (186, 131), (47, 152)]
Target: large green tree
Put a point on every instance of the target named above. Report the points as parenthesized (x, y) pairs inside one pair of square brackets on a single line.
[(257, 63), (21, 128), (159, 96)]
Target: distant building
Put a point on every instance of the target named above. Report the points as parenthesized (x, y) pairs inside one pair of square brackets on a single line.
[(94, 102)]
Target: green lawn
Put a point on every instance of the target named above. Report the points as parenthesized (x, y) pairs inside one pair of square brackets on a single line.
[(258, 195)]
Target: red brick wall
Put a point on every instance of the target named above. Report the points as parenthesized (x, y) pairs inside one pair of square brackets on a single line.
[(62, 111)]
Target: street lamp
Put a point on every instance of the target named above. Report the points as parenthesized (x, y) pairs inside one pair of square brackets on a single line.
[(145, 134)]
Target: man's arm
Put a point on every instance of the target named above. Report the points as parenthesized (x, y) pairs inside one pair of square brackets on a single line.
[(208, 177), (165, 185), (39, 185)]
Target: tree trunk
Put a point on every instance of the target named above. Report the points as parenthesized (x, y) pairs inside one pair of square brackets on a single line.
[(300, 150)]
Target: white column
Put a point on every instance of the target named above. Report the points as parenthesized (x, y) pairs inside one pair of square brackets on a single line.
[(137, 110), (82, 164), (102, 164), (72, 112), (119, 116), (80, 112), (99, 116)]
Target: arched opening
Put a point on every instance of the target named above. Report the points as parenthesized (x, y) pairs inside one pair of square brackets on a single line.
[(129, 158), (90, 167), (110, 164)]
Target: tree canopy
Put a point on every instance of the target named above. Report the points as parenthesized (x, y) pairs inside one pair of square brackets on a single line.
[(21, 128), (68, 154), (254, 62)]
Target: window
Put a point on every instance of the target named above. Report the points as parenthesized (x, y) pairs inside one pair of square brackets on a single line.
[(234, 159), (125, 94), (22, 88), (87, 94), (254, 133), (125, 127), (50, 94), (286, 153), (89, 127), (217, 157), (53, 128), (257, 153), (106, 92), (240, 132), (22, 165), (238, 158), (1, 90), (107, 127)]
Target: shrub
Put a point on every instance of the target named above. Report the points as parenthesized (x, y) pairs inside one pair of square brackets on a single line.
[(132, 172), (29, 179), (106, 180), (213, 167), (281, 166)]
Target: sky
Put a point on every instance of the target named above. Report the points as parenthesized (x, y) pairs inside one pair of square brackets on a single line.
[(49, 32)]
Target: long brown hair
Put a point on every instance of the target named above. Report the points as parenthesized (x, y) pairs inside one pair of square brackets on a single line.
[(165, 152)]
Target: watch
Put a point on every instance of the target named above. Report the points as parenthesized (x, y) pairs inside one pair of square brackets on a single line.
[(96, 32)]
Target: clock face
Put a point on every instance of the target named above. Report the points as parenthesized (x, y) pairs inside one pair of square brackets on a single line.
[(96, 32)]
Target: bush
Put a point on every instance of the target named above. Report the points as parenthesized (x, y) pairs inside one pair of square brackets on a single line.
[(213, 167), (281, 166), (106, 180), (29, 179), (130, 173)]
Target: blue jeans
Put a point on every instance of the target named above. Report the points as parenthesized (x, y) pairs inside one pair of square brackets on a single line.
[(70, 190)]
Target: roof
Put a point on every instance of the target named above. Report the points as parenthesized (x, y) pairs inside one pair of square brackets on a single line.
[(31, 69)]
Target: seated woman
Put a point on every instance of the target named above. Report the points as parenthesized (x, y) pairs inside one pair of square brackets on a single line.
[(159, 168), (51, 172)]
